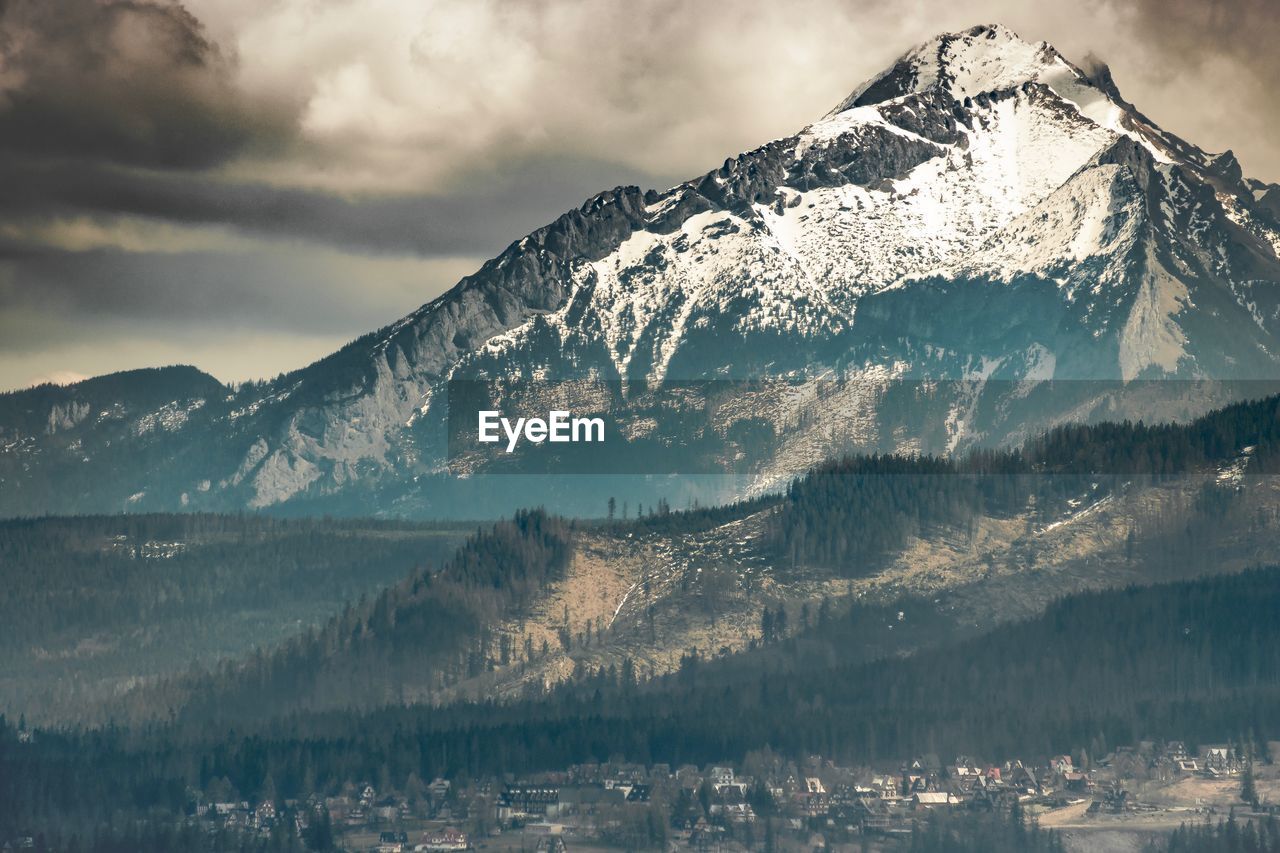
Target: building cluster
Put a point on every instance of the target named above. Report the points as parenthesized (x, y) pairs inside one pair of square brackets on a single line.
[(635, 805), (707, 805), (422, 821), (712, 803), (241, 816)]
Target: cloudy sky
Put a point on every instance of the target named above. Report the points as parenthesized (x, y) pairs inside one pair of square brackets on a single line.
[(244, 185)]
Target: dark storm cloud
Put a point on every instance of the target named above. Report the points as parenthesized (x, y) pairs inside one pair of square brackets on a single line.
[(134, 81), (222, 288), (1221, 59), (119, 215), (485, 213), (283, 167), (1199, 30), (127, 107)]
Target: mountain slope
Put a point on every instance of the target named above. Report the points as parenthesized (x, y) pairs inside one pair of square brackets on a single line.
[(983, 210), (95, 605), (925, 550)]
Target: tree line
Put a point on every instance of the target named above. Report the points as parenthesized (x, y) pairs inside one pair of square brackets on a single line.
[(851, 514), (93, 601), (1194, 661), (407, 643)]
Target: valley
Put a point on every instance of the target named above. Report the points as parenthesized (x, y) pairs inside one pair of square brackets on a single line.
[(909, 482), (98, 606), (949, 259), (931, 551)]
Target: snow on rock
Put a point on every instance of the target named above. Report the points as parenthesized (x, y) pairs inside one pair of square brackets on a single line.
[(1232, 473), (983, 210)]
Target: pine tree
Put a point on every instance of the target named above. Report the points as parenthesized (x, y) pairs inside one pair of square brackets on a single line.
[(1248, 785)]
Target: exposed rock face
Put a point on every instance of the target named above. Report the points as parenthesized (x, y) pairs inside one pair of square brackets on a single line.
[(983, 211), (66, 416)]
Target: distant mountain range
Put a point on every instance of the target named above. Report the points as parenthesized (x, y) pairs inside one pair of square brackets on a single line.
[(979, 219)]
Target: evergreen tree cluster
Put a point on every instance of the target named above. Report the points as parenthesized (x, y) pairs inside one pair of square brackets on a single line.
[(1193, 661), (980, 833), (850, 514), (1225, 836), (414, 638), (93, 600)]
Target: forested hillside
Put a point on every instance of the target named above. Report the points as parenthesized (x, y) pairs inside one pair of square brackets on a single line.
[(94, 604), (351, 693), (1195, 661), (849, 514), (1169, 661), (417, 636), (437, 637), (352, 698), (1225, 836)]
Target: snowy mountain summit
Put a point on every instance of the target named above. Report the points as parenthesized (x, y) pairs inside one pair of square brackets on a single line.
[(977, 159), (983, 210)]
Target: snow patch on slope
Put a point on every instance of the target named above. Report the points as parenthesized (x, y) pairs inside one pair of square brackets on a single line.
[(930, 221)]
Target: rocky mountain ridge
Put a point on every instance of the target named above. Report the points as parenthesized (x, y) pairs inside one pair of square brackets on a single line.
[(983, 213)]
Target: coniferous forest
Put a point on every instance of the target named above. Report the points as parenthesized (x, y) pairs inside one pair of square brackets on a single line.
[(1168, 661), (417, 635), (353, 697), (849, 513), (91, 603)]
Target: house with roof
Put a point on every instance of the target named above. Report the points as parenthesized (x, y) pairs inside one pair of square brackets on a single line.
[(734, 812), (933, 799), (1219, 760), (705, 835), (720, 775), (1022, 779), (811, 800), (866, 816), (639, 793), (550, 844), (528, 802), (1076, 782), (443, 840)]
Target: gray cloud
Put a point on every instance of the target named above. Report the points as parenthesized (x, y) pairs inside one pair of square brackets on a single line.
[(672, 87), (224, 284), (486, 211), (132, 81), (1206, 69), (122, 229), (1198, 31), (94, 307), (304, 170)]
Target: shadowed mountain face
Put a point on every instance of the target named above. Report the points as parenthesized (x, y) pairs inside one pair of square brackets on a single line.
[(983, 212)]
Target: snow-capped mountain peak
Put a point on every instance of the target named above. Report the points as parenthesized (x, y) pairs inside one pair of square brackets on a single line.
[(984, 59), (982, 210), (992, 58)]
